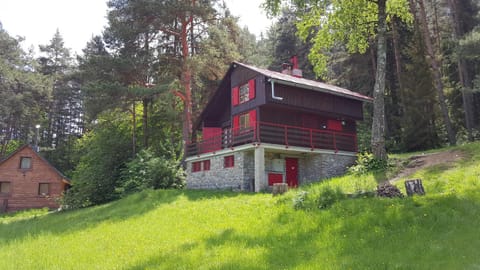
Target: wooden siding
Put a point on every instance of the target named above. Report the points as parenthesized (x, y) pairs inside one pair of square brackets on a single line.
[(315, 101), (24, 184)]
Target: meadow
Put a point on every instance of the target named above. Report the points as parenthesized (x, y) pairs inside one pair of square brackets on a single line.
[(191, 229)]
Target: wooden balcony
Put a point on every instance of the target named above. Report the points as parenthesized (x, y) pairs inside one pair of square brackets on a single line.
[(276, 134)]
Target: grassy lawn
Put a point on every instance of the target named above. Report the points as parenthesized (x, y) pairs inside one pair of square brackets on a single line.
[(183, 229)]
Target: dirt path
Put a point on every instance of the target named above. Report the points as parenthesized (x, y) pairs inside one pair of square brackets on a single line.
[(423, 161)]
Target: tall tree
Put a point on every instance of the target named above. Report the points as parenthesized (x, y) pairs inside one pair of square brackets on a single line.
[(354, 23), (24, 93), (435, 65)]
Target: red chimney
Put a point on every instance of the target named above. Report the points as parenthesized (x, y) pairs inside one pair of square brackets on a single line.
[(296, 72)]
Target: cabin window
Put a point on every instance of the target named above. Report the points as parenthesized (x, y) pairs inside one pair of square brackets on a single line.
[(4, 187), (206, 165), (43, 189), (244, 121), (25, 163), (228, 161), (196, 166), (243, 93)]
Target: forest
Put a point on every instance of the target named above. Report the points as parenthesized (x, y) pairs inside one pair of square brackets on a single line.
[(115, 118)]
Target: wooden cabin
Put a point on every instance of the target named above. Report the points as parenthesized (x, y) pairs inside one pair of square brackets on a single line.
[(27, 180), (263, 127)]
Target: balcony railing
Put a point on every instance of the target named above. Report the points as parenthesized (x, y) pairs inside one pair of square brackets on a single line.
[(276, 134)]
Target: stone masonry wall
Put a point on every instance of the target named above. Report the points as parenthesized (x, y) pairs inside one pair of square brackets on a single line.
[(322, 166), (237, 177)]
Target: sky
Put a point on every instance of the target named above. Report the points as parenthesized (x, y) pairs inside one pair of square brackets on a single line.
[(79, 20)]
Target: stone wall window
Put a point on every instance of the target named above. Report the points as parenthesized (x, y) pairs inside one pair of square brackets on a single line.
[(4, 187), (206, 165), (25, 163), (229, 161), (196, 166), (44, 189)]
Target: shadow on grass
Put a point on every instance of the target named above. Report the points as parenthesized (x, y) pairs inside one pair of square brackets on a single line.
[(371, 233)]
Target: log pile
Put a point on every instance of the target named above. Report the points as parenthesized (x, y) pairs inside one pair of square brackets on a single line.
[(388, 190)]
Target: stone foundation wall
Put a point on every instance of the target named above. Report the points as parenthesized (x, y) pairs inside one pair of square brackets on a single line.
[(239, 177), (322, 166)]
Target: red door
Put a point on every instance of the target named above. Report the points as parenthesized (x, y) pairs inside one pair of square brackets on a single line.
[(291, 167)]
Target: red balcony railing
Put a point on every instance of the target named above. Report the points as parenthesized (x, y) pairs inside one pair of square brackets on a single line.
[(276, 134)]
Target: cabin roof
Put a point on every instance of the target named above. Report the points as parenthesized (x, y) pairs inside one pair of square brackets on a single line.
[(215, 101), (307, 84), (64, 178)]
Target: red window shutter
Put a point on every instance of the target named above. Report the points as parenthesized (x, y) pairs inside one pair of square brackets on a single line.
[(334, 125), (206, 165), (253, 118), (235, 96), (236, 122), (251, 89)]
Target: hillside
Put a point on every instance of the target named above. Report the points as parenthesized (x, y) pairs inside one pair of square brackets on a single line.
[(183, 229)]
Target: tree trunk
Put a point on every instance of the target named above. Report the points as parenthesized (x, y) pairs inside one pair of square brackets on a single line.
[(145, 102), (464, 77), (134, 130), (378, 125), (437, 74)]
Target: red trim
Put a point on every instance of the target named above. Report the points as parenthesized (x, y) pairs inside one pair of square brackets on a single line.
[(228, 162), (206, 165), (251, 89), (275, 178), (252, 118), (196, 166), (334, 125), (235, 96), (236, 122)]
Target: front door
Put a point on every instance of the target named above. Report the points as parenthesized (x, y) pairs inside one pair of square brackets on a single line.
[(291, 168)]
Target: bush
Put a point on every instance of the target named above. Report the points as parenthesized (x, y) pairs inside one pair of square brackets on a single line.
[(328, 196), (366, 162), (149, 171)]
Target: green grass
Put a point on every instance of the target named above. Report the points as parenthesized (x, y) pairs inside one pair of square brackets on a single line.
[(177, 229)]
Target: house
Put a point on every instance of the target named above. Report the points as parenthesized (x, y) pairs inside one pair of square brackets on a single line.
[(263, 127), (27, 180)]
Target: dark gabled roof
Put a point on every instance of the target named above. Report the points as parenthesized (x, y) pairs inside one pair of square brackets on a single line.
[(280, 78), (42, 158), (307, 84)]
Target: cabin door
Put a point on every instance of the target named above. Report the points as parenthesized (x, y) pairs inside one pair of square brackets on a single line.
[(291, 170)]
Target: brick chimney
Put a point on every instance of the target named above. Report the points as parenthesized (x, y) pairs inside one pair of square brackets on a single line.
[(292, 68), (296, 72)]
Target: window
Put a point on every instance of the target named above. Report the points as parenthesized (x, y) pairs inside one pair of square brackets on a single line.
[(196, 166), (4, 187), (43, 189), (25, 163), (244, 93), (206, 165), (244, 121), (228, 161)]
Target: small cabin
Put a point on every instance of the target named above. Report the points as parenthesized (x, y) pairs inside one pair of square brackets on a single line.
[(263, 127), (27, 180)]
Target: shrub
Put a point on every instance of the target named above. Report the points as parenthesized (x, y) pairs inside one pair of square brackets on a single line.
[(366, 162), (299, 200), (328, 196), (149, 171)]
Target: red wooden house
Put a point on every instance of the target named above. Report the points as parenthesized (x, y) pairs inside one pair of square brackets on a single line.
[(262, 127), (27, 180)]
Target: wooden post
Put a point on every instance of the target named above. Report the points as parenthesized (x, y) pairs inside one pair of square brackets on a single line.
[(414, 186)]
